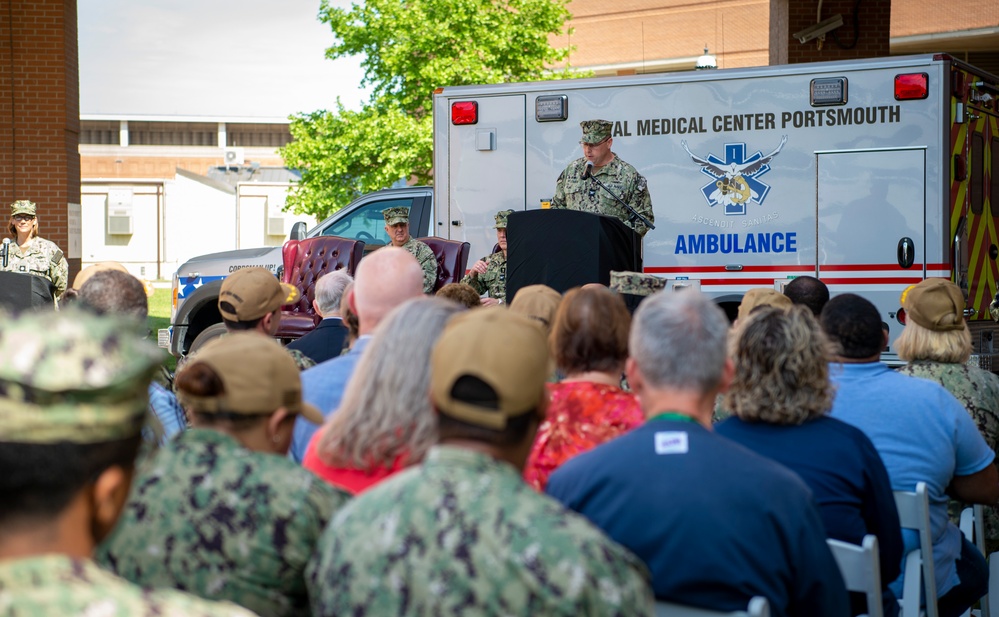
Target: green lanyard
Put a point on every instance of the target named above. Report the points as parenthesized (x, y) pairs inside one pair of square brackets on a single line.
[(672, 415)]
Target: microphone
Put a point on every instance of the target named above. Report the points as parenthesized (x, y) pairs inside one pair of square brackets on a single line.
[(6, 250), (589, 169)]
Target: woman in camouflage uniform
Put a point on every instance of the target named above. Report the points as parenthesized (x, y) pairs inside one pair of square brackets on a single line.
[(31, 254)]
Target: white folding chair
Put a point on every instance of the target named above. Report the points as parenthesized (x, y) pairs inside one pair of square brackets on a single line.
[(861, 570), (914, 513), (973, 528), (758, 607)]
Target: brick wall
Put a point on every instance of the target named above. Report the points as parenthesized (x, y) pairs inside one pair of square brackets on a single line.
[(40, 111), (865, 32)]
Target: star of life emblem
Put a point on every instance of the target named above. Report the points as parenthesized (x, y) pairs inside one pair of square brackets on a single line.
[(735, 179)]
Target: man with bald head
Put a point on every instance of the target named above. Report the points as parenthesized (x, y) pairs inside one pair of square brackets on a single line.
[(383, 281)]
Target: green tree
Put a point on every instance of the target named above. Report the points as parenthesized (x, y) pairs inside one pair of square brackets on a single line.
[(411, 47)]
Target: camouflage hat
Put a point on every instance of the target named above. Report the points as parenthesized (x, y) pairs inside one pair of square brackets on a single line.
[(84, 275), (23, 206), (935, 304), (505, 350), (762, 296), (396, 215), (595, 131), (258, 376), (72, 376), (635, 283), (501, 219), (539, 302), (251, 293)]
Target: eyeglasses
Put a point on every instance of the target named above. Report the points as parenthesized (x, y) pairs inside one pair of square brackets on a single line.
[(23, 217)]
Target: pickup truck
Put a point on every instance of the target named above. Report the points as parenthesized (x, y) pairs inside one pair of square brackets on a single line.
[(197, 282)]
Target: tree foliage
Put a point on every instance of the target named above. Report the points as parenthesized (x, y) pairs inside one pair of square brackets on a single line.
[(411, 47)]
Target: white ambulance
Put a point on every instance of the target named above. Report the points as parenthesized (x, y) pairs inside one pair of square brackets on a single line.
[(869, 174)]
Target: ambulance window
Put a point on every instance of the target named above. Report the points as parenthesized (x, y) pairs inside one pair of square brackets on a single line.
[(366, 223), (977, 180), (994, 189)]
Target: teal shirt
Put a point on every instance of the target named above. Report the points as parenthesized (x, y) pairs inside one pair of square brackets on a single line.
[(463, 534)]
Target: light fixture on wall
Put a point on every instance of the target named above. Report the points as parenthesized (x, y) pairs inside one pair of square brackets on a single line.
[(707, 61)]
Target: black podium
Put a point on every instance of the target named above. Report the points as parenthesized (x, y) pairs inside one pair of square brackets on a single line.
[(20, 292), (567, 248)]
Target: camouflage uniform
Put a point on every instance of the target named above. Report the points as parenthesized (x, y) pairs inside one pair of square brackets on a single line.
[(574, 193), (74, 377), (59, 585), (302, 361), (425, 255), (978, 391), (635, 283), (40, 258), (213, 518), (493, 280), (464, 535)]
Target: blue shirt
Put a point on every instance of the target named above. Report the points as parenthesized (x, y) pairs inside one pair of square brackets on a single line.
[(716, 523), (923, 434), (323, 386), (167, 409)]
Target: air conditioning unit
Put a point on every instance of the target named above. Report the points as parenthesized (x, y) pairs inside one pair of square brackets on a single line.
[(276, 226), (119, 212), (234, 156)]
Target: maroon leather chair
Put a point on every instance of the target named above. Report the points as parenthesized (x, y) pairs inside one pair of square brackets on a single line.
[(452, 259), (304, 262)]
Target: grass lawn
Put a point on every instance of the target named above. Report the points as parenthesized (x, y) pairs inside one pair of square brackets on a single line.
[(159, 317)]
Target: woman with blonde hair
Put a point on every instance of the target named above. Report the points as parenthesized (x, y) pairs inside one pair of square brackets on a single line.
[(385, 422), (781, 396), (589, 341), (31, 254)]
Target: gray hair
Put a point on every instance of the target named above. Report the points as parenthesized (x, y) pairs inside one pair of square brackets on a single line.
[(386, 412), (678, 340), (329, 291)]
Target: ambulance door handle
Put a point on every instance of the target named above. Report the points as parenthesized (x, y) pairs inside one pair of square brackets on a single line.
[(906, 252), (456, 223)]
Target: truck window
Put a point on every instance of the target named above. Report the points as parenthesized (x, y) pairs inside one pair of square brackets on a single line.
[(994, 175), (977, 180), (367, 223)]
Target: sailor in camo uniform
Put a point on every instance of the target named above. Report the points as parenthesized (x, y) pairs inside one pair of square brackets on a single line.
[(936, 343), (488, 275), (30, 254), (462, 533), (72, 394), (397, 228), (574, 192), (220, 510)]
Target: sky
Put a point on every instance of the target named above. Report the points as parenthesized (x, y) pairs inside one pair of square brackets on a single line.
[(251, 58)]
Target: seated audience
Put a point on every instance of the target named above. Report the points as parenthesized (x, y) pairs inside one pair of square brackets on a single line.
[(461, 533), (808, 291), (781, 396), (72, 400), (384, 422), (716, 523), (219, 510), (327, 339), (923, 434), (589, 341)]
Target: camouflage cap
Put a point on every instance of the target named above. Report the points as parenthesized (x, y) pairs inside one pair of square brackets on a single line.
[(501, 219), (539, 302), (84, 275), (635, 283), (72, 376), (396, 215), (251, 293), (503, 349), (23, 206), (258, 376), (762, 296), (935, 304), (595, 131)]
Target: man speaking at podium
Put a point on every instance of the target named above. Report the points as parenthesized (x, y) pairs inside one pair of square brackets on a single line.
[(595, 182)]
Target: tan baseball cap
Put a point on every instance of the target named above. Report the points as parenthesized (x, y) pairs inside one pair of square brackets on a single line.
[(935, 304), (538, 302), (762, 296), (505, 350), (251, 293), (258, 375)]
